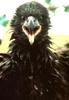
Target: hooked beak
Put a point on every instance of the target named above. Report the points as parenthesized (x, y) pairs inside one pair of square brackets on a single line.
[(31, 27)]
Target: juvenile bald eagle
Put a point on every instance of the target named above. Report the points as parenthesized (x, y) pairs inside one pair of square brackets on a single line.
[(31, 71)]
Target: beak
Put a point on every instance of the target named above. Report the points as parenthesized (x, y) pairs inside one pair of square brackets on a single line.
[(31, 38), (31, 27)]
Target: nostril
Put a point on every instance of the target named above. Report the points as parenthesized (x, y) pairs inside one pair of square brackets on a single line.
[(27, 20), (34, 20)]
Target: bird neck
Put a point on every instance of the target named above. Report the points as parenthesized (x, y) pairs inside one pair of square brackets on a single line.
[(19, 49)]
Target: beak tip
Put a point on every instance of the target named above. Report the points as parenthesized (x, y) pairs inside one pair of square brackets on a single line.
[(31, 39)]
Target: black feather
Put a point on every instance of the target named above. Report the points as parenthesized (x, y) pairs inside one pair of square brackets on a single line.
[(32, 72)]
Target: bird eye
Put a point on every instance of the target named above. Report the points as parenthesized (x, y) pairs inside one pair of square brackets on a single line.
[(41, 17), (22, 17)]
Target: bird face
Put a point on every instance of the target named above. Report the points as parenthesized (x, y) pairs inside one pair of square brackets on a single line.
[(31, 27), (30, 24)]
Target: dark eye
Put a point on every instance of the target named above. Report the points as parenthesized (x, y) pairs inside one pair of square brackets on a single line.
[(42, 17), (22, 17)]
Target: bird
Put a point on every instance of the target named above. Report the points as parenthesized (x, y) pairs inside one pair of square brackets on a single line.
[(64, 57), (30, 70)]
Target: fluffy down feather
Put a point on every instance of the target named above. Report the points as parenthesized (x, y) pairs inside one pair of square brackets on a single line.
[(32, 72)]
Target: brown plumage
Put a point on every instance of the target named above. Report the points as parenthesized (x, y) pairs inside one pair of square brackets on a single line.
[(31, 71)]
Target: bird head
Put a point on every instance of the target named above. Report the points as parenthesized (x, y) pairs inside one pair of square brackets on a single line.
[(31, 27), (31, 22)]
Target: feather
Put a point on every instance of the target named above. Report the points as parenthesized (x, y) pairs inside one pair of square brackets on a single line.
[(32, 72)]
